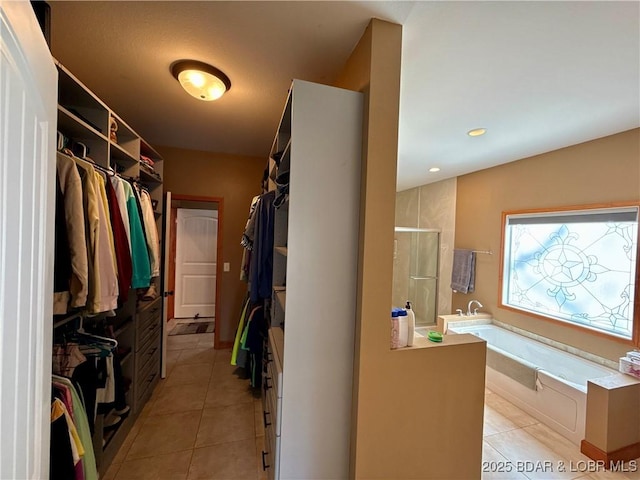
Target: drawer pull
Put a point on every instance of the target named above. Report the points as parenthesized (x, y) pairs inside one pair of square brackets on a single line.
[(264, 418), (266, 383), (264, 464)]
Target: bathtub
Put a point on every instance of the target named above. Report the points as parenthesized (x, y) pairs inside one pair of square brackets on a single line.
[(547, 383)]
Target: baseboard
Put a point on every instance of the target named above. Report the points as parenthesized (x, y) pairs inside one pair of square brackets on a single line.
[(624, 454)]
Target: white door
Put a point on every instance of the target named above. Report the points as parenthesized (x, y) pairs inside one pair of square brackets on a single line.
[(28, 112), (196, 263)]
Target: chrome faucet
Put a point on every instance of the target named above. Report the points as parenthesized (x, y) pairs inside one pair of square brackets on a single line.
[(475, 310)]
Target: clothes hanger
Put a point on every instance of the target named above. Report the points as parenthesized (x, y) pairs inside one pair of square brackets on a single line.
[(111, 341)]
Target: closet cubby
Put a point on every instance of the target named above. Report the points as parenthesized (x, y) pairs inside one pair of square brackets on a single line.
[(314, 168), (137, 325), (81, 104)]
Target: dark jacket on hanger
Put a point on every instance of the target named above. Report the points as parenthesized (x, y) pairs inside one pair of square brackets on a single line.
[(62, 257), (261, 269)]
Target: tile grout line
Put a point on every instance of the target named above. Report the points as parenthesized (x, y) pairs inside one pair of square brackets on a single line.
[(204, 405)]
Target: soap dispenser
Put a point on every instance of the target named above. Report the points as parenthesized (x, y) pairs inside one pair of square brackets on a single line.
[(411, 323), (403, 323)]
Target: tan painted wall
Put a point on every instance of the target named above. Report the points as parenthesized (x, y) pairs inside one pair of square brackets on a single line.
[(600, 171), (236, 179), (415, 414)]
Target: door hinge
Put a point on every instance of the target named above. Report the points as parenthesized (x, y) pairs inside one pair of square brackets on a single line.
[(168, 294)]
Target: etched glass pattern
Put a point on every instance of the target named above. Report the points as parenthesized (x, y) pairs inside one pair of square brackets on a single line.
[(582, 273)]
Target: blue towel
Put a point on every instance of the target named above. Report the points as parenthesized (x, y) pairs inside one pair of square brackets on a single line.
[(463, 274)]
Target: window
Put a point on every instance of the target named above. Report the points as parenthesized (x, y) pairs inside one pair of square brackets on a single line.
[(577, 266)]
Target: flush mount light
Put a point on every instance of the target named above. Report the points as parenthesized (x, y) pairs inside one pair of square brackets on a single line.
[(476, 132), (200, 80), (434, 169)]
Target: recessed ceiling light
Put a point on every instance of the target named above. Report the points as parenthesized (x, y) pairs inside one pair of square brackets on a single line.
[(476, 132), (434, 169)]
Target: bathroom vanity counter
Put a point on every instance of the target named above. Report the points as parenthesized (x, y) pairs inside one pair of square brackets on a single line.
[(435, 397), (447, 340)]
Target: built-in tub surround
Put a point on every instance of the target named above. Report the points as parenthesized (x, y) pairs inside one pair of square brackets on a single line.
[(444, 321), (548, 383)]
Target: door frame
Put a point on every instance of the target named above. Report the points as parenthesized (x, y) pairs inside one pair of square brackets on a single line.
[(28, 96), (171, 280)]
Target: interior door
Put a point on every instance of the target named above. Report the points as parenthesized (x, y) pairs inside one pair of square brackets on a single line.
[(196, 263), (28, 115)]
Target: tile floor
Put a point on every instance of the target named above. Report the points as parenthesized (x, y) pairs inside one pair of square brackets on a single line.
[(514, 440), (203, 422)]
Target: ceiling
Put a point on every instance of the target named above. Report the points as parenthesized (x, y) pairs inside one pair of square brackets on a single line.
[(537, 75)]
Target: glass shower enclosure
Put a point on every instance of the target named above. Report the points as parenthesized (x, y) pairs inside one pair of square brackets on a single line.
[(416, 259)]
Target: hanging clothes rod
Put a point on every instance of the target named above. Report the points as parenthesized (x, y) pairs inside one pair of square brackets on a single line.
[(485, 252), (108, 170)]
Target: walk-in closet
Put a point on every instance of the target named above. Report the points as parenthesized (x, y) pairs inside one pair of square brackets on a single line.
[(209, 210), (107, 320)]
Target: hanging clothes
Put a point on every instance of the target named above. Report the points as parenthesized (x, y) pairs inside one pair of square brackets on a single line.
[(62, 257), (247, 240), (66, 358), (74, 214), (121, 244), (92, 225), (136, 193), (101, 178), (151, 229), (252, 342), (108, 298), (85, 376), (61, 465), (80, 420), (121, 197), (261, 268), (141, 277), (239, 331)]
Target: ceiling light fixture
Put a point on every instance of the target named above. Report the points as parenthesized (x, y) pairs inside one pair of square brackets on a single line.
[(476, 132), (200, 80), (434, 169)]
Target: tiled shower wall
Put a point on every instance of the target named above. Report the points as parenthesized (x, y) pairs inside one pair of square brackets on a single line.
[(428, 206)]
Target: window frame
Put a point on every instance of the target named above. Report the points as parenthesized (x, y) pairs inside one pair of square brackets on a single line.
[(635, 333)]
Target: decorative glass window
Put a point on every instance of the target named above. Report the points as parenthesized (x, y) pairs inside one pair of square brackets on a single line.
[(576, 266)]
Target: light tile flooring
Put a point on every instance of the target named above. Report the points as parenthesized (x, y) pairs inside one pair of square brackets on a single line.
[(203, 422), (515, 441)]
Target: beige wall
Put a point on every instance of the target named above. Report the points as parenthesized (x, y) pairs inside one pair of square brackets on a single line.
[(429, 206), (393, 434), (236, 179), (600, 171)]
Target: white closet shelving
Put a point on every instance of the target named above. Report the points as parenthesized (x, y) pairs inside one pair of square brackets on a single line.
[(307, 395), (84, 118)]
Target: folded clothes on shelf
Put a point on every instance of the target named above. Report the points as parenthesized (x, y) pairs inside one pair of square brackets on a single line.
[(147, 160)]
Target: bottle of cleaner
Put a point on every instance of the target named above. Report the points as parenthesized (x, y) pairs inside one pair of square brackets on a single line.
[(395, 329), (404, 327), (411, 324)]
